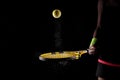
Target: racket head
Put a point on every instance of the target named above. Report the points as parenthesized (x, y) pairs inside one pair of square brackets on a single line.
[(62, 55)]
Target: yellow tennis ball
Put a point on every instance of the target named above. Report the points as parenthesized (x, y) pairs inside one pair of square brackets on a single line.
[(56, 13)]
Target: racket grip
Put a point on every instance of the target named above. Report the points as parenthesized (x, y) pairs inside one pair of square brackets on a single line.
[(93, 41)]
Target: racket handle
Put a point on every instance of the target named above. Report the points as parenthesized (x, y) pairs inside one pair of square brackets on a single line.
[(93, 41)]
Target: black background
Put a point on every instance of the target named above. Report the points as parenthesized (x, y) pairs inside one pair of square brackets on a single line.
[(78, 23), (28, 28)]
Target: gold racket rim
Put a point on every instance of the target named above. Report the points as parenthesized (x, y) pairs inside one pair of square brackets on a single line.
[(64, 54)]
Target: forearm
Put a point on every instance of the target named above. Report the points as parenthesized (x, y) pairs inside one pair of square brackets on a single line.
[(100, 9)]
